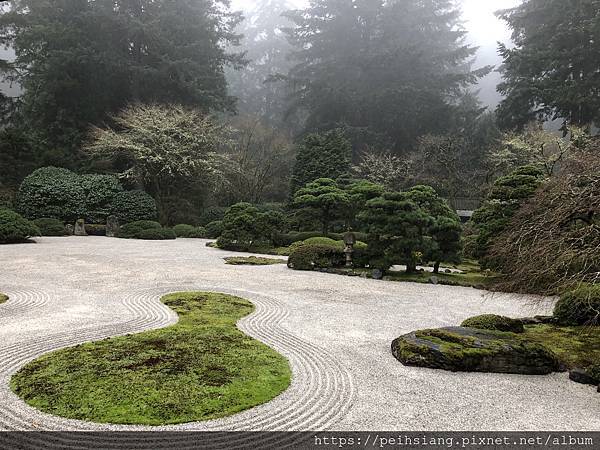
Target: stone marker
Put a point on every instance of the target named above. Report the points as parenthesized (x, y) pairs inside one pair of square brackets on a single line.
[(80, 228), (112, 226), (349, 240)]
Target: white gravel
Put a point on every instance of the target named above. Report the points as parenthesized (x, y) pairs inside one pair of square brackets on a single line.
[(336, 331)]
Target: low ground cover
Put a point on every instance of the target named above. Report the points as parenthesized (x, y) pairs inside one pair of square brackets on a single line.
[(3, 298), (253, 261), (202, 368)]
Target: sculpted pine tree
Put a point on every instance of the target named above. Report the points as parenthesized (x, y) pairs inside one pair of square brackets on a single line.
[(326, 197), (445, 230), (397, 231)]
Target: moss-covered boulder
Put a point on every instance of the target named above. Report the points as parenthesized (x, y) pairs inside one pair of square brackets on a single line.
[(495, 323), (460, 349)]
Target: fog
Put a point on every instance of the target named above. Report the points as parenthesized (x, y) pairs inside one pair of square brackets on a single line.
[(485, 31)]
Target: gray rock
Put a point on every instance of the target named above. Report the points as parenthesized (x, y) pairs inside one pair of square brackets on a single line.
[(582, 377), (434, 280), (377, 274), (459, 349), (112, 226), (70, 230), (80, 228), (538, 320)]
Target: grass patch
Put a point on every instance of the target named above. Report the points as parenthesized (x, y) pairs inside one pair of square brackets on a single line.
[(3, 298), (253, 261), (199, 369), (577, 347)]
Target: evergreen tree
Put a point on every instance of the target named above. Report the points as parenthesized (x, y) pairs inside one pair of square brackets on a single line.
[(444, 231), (259, 88), (552, 72), (326, 198), (397, 231), (325, 155), (506, 197), (394, 67), (79, 60)]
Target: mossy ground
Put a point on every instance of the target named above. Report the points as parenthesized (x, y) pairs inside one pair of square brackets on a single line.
[(576, 347), (201, 368), (253, 261), (478, 280), (3, 298)]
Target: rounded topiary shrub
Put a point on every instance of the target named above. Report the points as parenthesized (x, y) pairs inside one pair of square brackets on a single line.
[(50, 227), (212, 214), (156, 234), (52, 192), (133, 229), (214, 229), (133, 206), (189, 231), (310, 257), (580, 306), (494, 322), (14, 228), (100, 192)]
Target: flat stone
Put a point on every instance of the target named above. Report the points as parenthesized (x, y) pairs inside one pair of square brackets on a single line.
[(582, 377), (459, 349)]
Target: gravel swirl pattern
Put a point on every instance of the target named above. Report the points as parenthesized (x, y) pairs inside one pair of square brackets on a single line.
[(321, 392)]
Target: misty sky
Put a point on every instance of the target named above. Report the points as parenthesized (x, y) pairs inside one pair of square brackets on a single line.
[(485, 30)]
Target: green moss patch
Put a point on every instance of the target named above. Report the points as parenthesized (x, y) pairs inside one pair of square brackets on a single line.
[(202, 368), (3, 298), (576, 347), (494, 322), (460, 349), (253, 261)]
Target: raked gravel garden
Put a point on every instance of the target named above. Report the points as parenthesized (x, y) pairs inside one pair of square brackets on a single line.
[(334, 331)]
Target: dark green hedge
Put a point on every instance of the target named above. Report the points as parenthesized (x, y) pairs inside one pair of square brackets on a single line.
[(50, 227), (146, 230), (133, 206), (14, 228)]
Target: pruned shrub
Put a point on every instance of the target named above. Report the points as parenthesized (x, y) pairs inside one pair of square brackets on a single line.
[(132, 230), (579, 306), (14, 228), (156, 234), (310, 257), (100, 192), (287, 239), (189, 231), (494, 322), (52, 192), (133, 206), (244, 227), (50, 227), (212, 214), (214, 229)]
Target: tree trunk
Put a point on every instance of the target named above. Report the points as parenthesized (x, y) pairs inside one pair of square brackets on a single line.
[(436, 267)]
